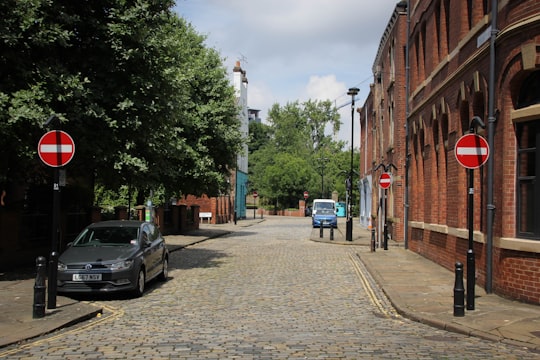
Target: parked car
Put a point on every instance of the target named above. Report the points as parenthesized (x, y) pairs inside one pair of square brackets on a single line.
[(324, 213), (111, 256)]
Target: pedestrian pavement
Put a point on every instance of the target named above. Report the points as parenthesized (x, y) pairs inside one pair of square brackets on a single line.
[(418, 288)]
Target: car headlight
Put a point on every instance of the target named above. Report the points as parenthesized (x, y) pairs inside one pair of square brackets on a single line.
[(62, 266), (122, 265)]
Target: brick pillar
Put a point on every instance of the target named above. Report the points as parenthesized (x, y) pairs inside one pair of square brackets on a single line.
[(95, 215), (183, 217), (120, 212), (195, 210), (140, 212), (159, 218), (175, 214)]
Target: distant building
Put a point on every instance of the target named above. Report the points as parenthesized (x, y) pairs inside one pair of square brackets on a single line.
[(241, 180), (231, 205), (253, 116)]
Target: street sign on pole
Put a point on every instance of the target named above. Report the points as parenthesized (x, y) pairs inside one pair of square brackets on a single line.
[(56, 148), (255, 194), (471, 151), (306, 195), (385, 180)]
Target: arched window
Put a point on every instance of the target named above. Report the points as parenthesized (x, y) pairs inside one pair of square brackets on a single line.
[(528, 161), (529, 93)]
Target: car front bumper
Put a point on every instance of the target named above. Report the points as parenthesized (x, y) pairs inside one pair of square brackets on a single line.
[(325, 221), (111, 281)]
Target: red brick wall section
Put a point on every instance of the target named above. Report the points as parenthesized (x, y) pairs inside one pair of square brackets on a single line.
[(519, 275)]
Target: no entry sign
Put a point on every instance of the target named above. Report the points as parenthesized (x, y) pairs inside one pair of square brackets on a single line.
[(386, 180), (306, 194), (472, 151), (56, 148)]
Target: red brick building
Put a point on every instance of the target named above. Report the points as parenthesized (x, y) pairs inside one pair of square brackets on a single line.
[(456, 75)]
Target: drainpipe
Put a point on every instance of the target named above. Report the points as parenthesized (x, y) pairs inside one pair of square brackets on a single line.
[(491, 143), (407, 85)]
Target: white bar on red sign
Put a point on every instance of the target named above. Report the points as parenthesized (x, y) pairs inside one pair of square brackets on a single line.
[(471, 151), (53, 148)]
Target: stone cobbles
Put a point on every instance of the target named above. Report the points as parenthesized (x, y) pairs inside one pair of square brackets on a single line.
[(264, 292)]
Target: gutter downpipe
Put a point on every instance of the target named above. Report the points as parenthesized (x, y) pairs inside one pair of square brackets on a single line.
[(491, 132), (407, 85)]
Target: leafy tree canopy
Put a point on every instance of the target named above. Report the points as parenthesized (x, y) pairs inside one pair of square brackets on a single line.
[(145, 101), (295, 153)]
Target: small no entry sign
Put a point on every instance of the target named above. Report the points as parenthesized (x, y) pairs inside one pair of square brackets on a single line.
[(386, 180), (56, 148), (472, 151)]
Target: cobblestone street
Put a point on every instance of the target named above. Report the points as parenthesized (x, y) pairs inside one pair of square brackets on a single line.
[(264, 292)]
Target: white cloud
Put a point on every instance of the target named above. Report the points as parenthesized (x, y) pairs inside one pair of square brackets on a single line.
[(295, 49), (324, 88)]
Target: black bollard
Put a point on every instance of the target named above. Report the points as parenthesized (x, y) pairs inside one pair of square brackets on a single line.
[(459, 291), (321, 230), (471, 279), (39, 288), (385, 240), (373, 240), (331, 233)]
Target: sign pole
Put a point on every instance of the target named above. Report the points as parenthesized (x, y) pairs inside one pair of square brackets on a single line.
[(471, 151), (55, 148), (255, 195), (471, 262), (53, 260)]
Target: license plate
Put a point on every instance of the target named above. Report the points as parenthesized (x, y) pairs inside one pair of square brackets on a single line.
[(86, 277)]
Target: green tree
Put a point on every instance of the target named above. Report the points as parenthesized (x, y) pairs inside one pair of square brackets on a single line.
[(286, 179), (259, 136), (288, 162), (145, 101)]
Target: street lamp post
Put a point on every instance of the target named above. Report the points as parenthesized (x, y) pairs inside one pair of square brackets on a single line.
[(348, 235), (323, 160)]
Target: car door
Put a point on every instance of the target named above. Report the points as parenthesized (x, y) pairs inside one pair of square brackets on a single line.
[(152, 250)]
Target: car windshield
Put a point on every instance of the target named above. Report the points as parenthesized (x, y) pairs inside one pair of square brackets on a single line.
[(325, 206), (108, 236), (325, 212)]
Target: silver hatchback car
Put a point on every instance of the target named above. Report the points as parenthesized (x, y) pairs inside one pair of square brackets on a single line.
[(113, 256)]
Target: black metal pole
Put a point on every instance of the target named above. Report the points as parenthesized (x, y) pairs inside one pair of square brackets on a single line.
[(385, 240), (471, 266), (348, 235), (53, 261), (491, 142)]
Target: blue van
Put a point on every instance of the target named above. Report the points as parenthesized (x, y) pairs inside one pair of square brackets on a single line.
[(324, 213)]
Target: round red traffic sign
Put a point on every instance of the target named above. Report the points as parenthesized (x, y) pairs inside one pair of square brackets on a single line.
[(56, 148), (471, 151), (255, 194), (306, 194), (385, 180)]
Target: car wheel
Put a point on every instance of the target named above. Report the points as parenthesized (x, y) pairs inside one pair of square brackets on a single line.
[(165, 272), (141, 282)]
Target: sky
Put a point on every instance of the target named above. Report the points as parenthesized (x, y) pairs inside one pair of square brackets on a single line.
[(296, 50)]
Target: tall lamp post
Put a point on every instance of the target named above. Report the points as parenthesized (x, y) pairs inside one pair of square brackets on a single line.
[(348, 235), (323, 161)]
